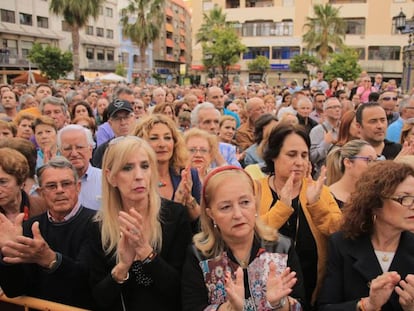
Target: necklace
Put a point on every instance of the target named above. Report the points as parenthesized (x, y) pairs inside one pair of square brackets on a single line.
[(385, 257), (243, 262), (161, 184)]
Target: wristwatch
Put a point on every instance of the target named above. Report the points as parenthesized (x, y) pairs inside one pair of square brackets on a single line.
[(279, 305)]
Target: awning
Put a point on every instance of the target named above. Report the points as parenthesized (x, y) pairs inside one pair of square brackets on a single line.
[(169, 43), (197, 67), (169, 12), (169, 27), (182, 46)]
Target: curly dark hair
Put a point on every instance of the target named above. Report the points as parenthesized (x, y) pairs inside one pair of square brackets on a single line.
[(376, 184), (275, 143)]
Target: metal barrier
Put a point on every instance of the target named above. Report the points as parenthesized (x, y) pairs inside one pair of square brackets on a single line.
[(35, 303)]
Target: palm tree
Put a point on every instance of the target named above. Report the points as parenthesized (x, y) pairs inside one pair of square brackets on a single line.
[(214, 19), (324, 31), (76, 13), (141, 22)]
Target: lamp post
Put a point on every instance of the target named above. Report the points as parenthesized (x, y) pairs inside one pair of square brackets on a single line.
[(406, 27)]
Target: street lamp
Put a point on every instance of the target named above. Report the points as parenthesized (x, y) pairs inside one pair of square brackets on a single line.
[(406, 27)]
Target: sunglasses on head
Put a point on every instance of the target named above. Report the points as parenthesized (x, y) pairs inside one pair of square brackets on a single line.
[(387, 98)]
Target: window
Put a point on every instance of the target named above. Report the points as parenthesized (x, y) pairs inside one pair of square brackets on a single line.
[(100, 55), (90, 53), (232, 4), (42, 22), (89, 30), (100, 10), (288, 52), (255, 51), (384, 52), (25, 19), (26, 47), (109, 33), (355, 26), (110, 55), (109, 12), (12, 47), (8, 16), (99, 31)]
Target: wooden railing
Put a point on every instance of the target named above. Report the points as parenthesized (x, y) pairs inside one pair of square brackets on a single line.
[(35, 303)]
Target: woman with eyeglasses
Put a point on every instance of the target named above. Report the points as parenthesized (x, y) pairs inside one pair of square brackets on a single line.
[(203, 148), (139, 240), (177, 181), (371, 260), (365, 88), (345, 165)]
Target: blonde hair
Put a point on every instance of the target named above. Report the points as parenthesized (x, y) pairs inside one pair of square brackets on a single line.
[(115, 157), (209, 240), (335, 168), (180, 153)]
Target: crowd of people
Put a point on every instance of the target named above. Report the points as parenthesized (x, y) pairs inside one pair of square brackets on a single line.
[(211, 197)]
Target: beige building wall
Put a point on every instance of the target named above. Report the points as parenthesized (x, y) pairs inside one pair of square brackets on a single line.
[(379, 29)]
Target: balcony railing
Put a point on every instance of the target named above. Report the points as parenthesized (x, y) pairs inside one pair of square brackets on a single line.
[(101, 65), (7, 60)]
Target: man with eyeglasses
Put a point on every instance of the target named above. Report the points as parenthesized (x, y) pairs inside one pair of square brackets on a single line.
[(45, 258), (121, 120), (406, 109), (324, 135), (372, 123), (388, 100), (76, 143)]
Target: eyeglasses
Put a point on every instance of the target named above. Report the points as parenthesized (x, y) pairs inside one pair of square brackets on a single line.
[(202, 151), (387, 98), (405, 200), (53, 186), (334, 107), (70, 148), (366, 159)]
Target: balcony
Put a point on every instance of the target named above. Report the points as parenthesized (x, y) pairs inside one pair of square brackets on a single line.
[(13, 61), (104, 65)]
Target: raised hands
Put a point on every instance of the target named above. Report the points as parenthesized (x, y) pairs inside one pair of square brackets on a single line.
[(380, 290), (9, 230), (183, 193), (235, 290), (29, 250), (279, 286), (314, 189), (134, 241), (406, 292)]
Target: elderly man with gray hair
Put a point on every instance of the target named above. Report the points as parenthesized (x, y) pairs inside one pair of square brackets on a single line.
[(76, 144)]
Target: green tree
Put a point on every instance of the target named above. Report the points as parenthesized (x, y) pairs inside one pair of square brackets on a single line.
[(325, 31), (141, 22), (301, 62), (224, 51), (76, 13), (120, 70), (344, 65), (213, 20), (51, 60), (260, 64)]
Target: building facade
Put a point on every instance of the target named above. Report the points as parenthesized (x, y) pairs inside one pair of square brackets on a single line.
[(102, 46), (274, 28)]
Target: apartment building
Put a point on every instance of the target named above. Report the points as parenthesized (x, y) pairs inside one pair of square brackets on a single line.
[(274, 28), (23, 22)]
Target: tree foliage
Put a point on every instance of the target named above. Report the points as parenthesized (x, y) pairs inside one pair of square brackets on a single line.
[(141, 21), (344, 65), (325, 31), (215, 19), (259, 64), (76, 13), (120, 70), (224, 51), (51, 60), (300, 62)]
